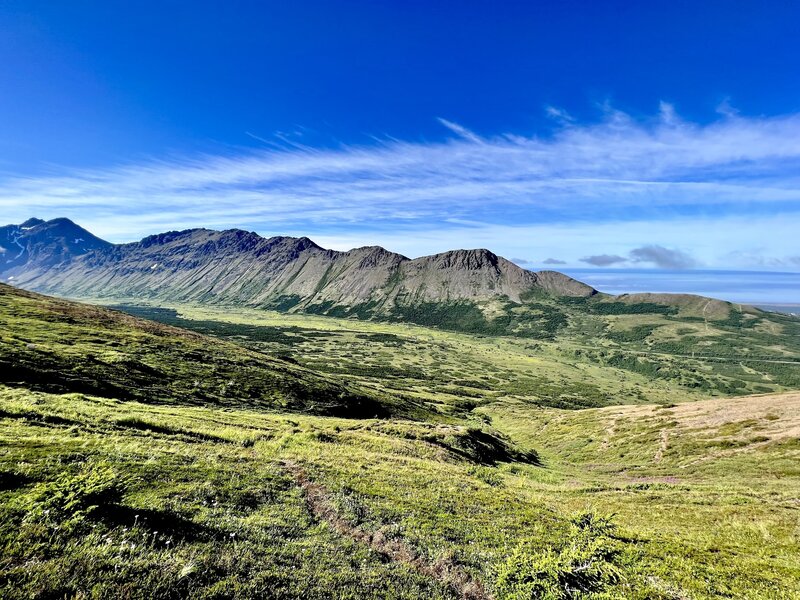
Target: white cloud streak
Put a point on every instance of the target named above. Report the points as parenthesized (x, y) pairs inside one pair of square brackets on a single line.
[(619, 169)]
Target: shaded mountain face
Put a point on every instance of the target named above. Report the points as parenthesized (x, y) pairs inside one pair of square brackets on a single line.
[(242, 268), (44, 244)]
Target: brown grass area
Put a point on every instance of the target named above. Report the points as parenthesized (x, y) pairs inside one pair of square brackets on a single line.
[(778, 415)]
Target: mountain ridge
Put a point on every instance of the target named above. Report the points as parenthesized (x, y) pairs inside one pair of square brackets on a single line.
[(240, 267)]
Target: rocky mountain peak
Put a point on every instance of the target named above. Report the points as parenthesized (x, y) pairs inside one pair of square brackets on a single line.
[(464, 260), (374, 256), (160, 239), (32, 222), (45, 243)]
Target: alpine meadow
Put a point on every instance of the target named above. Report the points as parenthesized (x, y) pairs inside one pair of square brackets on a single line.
[(349, 300)]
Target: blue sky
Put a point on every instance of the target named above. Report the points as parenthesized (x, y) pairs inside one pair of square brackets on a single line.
[(561, 134)]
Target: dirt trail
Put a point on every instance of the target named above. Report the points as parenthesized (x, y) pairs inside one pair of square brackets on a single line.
[(662, 447), (705, 318), (318, 502), (609, 433)]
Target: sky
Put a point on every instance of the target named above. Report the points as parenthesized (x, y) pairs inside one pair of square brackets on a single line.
[(565, 135)]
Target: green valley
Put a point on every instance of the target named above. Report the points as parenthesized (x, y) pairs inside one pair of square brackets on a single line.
[(602, 350)]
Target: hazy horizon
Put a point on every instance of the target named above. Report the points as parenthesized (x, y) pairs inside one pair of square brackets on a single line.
[(746, 287)]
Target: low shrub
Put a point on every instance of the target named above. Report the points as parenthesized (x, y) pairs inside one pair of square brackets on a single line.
[(586, 563), (65, 502)]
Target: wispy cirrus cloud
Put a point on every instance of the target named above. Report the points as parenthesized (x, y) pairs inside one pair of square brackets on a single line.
[(621, 169)]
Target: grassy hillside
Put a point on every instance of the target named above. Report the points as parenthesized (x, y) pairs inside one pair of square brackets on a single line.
[(60, 346), (123, 498), (712, 485), (475, 482)]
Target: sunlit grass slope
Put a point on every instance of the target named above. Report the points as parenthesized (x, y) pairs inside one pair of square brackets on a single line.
[(713, 485), (55, 345), (109, 498), (143, 488)]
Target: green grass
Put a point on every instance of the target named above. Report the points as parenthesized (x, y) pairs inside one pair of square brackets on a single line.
[(595, 360), (485, 476), (53, 345), (713, 485), (210, 514), (220, 515)]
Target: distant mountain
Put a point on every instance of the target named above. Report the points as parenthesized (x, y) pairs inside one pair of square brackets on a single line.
[(242, 268), (43, 244)]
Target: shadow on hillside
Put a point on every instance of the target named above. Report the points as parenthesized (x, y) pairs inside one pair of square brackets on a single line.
[(486, 448), (163, 523), (12, 481)]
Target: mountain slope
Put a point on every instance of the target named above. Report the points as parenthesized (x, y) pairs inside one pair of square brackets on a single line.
[(242, 268), (59, 346)]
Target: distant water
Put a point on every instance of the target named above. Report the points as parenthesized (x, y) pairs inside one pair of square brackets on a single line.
[(762, 288)]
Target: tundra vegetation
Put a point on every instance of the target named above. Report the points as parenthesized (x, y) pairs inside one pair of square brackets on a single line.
[(610, 452)]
